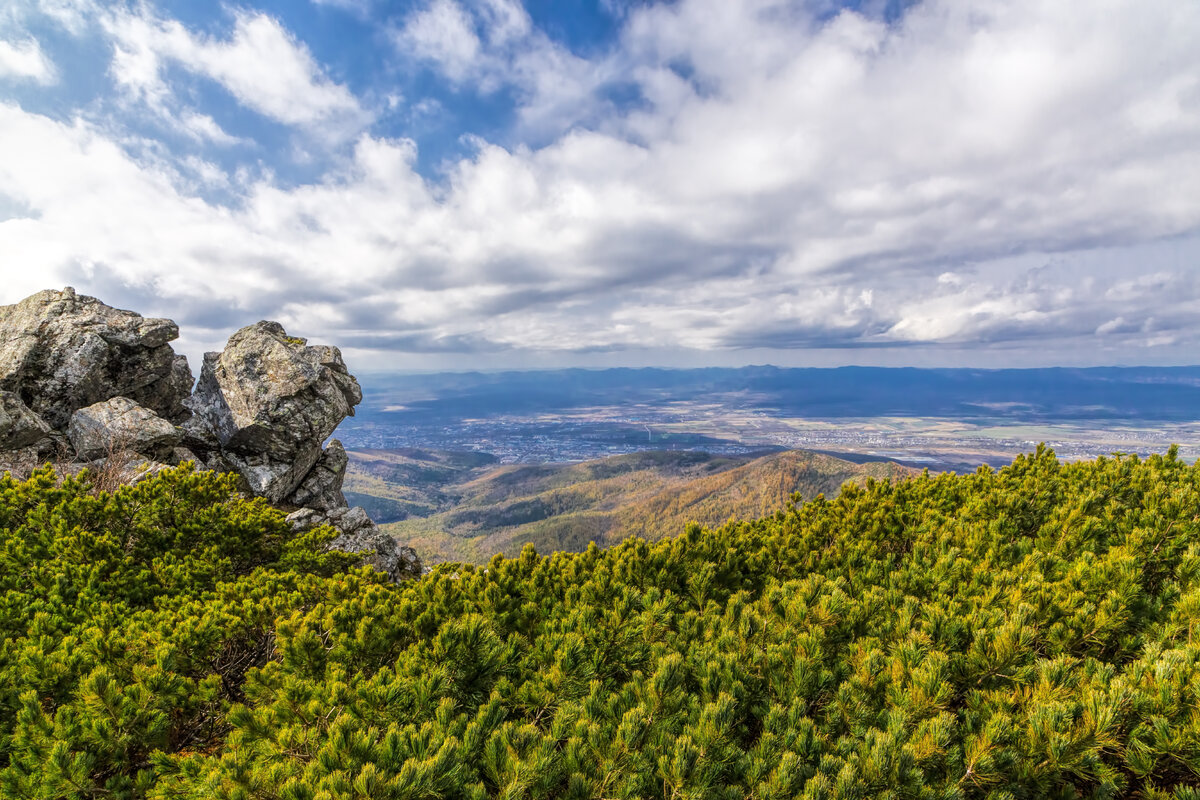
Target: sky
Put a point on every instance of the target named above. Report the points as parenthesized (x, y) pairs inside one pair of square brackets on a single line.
[(455, 184)]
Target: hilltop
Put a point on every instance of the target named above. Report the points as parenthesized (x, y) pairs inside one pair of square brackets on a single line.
[(462, 506)]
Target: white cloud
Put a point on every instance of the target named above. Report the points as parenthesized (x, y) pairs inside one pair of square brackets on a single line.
[(271, 72), (204, 128), (70, 14), (261, 64), (997, 175), (490, 44), (25, 60), (444, 34)]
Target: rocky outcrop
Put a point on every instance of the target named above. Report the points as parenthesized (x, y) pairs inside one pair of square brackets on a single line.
[(60, 351), (270, 401), (264, 405), (121, 424), (79, 376)]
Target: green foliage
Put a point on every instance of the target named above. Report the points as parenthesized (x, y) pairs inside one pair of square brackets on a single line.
[(1024, 633), (128, 622)]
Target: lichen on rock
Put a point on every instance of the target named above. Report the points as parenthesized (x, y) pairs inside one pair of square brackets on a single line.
[(322, 486), (61, 351), (20, 427), (121, 424), (269, 401)]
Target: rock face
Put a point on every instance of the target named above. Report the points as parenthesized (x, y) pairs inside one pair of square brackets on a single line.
[(322, 486), (19, 426), (360, 535), (73, 370), (60, 352), (270, 401), (121, 424)]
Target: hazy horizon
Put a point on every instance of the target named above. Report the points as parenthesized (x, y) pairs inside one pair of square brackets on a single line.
[(665, 367)]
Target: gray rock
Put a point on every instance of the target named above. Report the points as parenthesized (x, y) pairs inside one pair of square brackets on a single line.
[(305, 519), (269, 401), (20, 463), (60, 352), (351, 521), (360, 535), (119, 424), (322, 486), (264, 476), (144, 470), (19, 426), (182, 454), (179, 384)]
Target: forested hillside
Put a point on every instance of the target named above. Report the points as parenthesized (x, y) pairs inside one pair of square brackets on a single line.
[(1024, 633), (458, 507)]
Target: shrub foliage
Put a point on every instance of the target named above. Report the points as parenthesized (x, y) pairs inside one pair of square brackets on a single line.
[(1031, 632)]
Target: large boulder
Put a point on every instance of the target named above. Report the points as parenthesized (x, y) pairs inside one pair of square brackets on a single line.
[(269, 401), (121, 425), (19, 426), (360, 535), (60, 351)]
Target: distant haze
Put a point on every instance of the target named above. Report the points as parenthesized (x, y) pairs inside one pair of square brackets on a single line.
[(451, 184), (1053, 395)]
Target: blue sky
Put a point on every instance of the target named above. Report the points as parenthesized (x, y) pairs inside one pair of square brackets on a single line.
[(485, 183)]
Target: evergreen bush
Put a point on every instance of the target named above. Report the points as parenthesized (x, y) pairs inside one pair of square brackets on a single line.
[(1030, 632)]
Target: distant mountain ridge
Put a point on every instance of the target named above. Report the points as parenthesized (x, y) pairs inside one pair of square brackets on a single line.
[(453, 508), (1057, 393)]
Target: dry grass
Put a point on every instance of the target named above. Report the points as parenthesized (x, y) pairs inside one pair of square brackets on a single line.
[(120, 466)]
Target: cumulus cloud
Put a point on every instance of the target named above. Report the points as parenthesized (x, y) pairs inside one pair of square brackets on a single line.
[(444, 34), (998, 176), (261, 64), (25, 60), (489, 45)]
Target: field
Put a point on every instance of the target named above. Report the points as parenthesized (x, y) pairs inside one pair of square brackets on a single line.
[(943, 419)]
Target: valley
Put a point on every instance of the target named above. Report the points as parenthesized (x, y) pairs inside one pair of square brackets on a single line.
[(463, 466), (945, 419), (458, 506)]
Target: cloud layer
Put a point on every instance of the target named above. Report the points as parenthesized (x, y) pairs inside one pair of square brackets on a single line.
[(1008, 177)]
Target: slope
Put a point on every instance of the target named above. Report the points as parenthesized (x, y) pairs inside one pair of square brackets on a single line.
[(1027, 633), (563, 507)]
